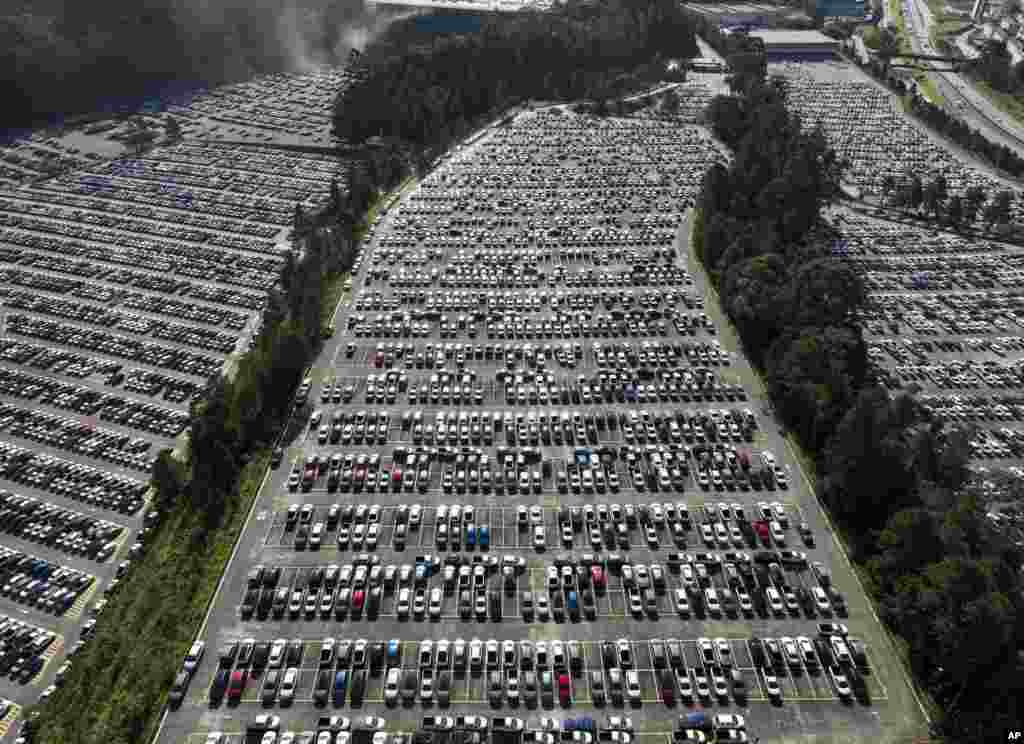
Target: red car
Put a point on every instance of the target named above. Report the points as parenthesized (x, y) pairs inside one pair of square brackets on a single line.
[(761, 527), (357, 599), (236, 686), (564, 692), (597, 577)]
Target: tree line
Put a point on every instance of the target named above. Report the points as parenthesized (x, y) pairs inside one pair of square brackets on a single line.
[(895, 478), (430, 91), (932, 200)]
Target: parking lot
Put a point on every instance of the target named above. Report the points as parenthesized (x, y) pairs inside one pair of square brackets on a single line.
[(529, 386), (128, 279)]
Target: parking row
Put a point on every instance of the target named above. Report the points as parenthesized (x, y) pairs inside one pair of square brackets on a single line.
[(85, 483), (197, 336), (699, 428), (509, 673), (632, 302), (61, 529), (86, 401), (172, 229), (24, 649), (198, 263), (76, 436), (36, 582), (702, 584), (165, 357)]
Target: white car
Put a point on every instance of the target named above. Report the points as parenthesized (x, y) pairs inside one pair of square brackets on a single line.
[(435, 603), (402, 606), (682, 602), (277, 650), (821, 601), (724, 651), (729, 721), (287, 692), (539, 538), (391, 685), (633, 685), (839, 680)]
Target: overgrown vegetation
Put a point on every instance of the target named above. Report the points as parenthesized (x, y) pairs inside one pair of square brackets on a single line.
[(118, 683), (895, 479), (430, 93)]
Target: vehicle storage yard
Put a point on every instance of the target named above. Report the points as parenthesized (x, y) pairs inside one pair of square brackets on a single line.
[(127, 282), (537, 478), (532, 483)]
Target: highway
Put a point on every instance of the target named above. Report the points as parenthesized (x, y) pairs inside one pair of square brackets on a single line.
[(967, 102)]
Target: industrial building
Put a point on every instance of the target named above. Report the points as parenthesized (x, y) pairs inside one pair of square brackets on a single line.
[(822, 9), (780, 44)]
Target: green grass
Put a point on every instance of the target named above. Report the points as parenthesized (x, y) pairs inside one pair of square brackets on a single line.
[(870, 36), (333, 292), (1008, 103), (928, 88), (118, 684)]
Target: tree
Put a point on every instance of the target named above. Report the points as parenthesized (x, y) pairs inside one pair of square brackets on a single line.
[(975, 198), (888, 186), (168, 479), (670, 103), (931, 200), (955, 211), (727, 118), (888, 44), (916, 194), (172, 128)]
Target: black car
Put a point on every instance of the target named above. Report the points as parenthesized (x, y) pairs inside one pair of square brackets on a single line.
[(219, 686), (178, 689), (276, 457), (322, 687), (358, 687)]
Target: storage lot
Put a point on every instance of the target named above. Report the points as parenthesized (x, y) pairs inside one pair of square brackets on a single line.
[(534, 260), (126, 282)]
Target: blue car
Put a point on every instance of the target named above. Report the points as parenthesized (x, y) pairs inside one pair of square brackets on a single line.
[(394, 651), (483, 536), (470, 536), (340, 685)]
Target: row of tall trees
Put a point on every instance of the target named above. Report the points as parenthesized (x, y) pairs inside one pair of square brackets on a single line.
[(430, 91), (932, 199), (793, 304), (895, 478), (942, 577)]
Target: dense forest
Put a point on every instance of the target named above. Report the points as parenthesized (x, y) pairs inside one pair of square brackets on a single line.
[(429, 89), (895, 479), (64, 57)]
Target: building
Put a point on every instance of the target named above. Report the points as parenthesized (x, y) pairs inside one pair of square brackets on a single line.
[(837, 8), (781, 44)]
